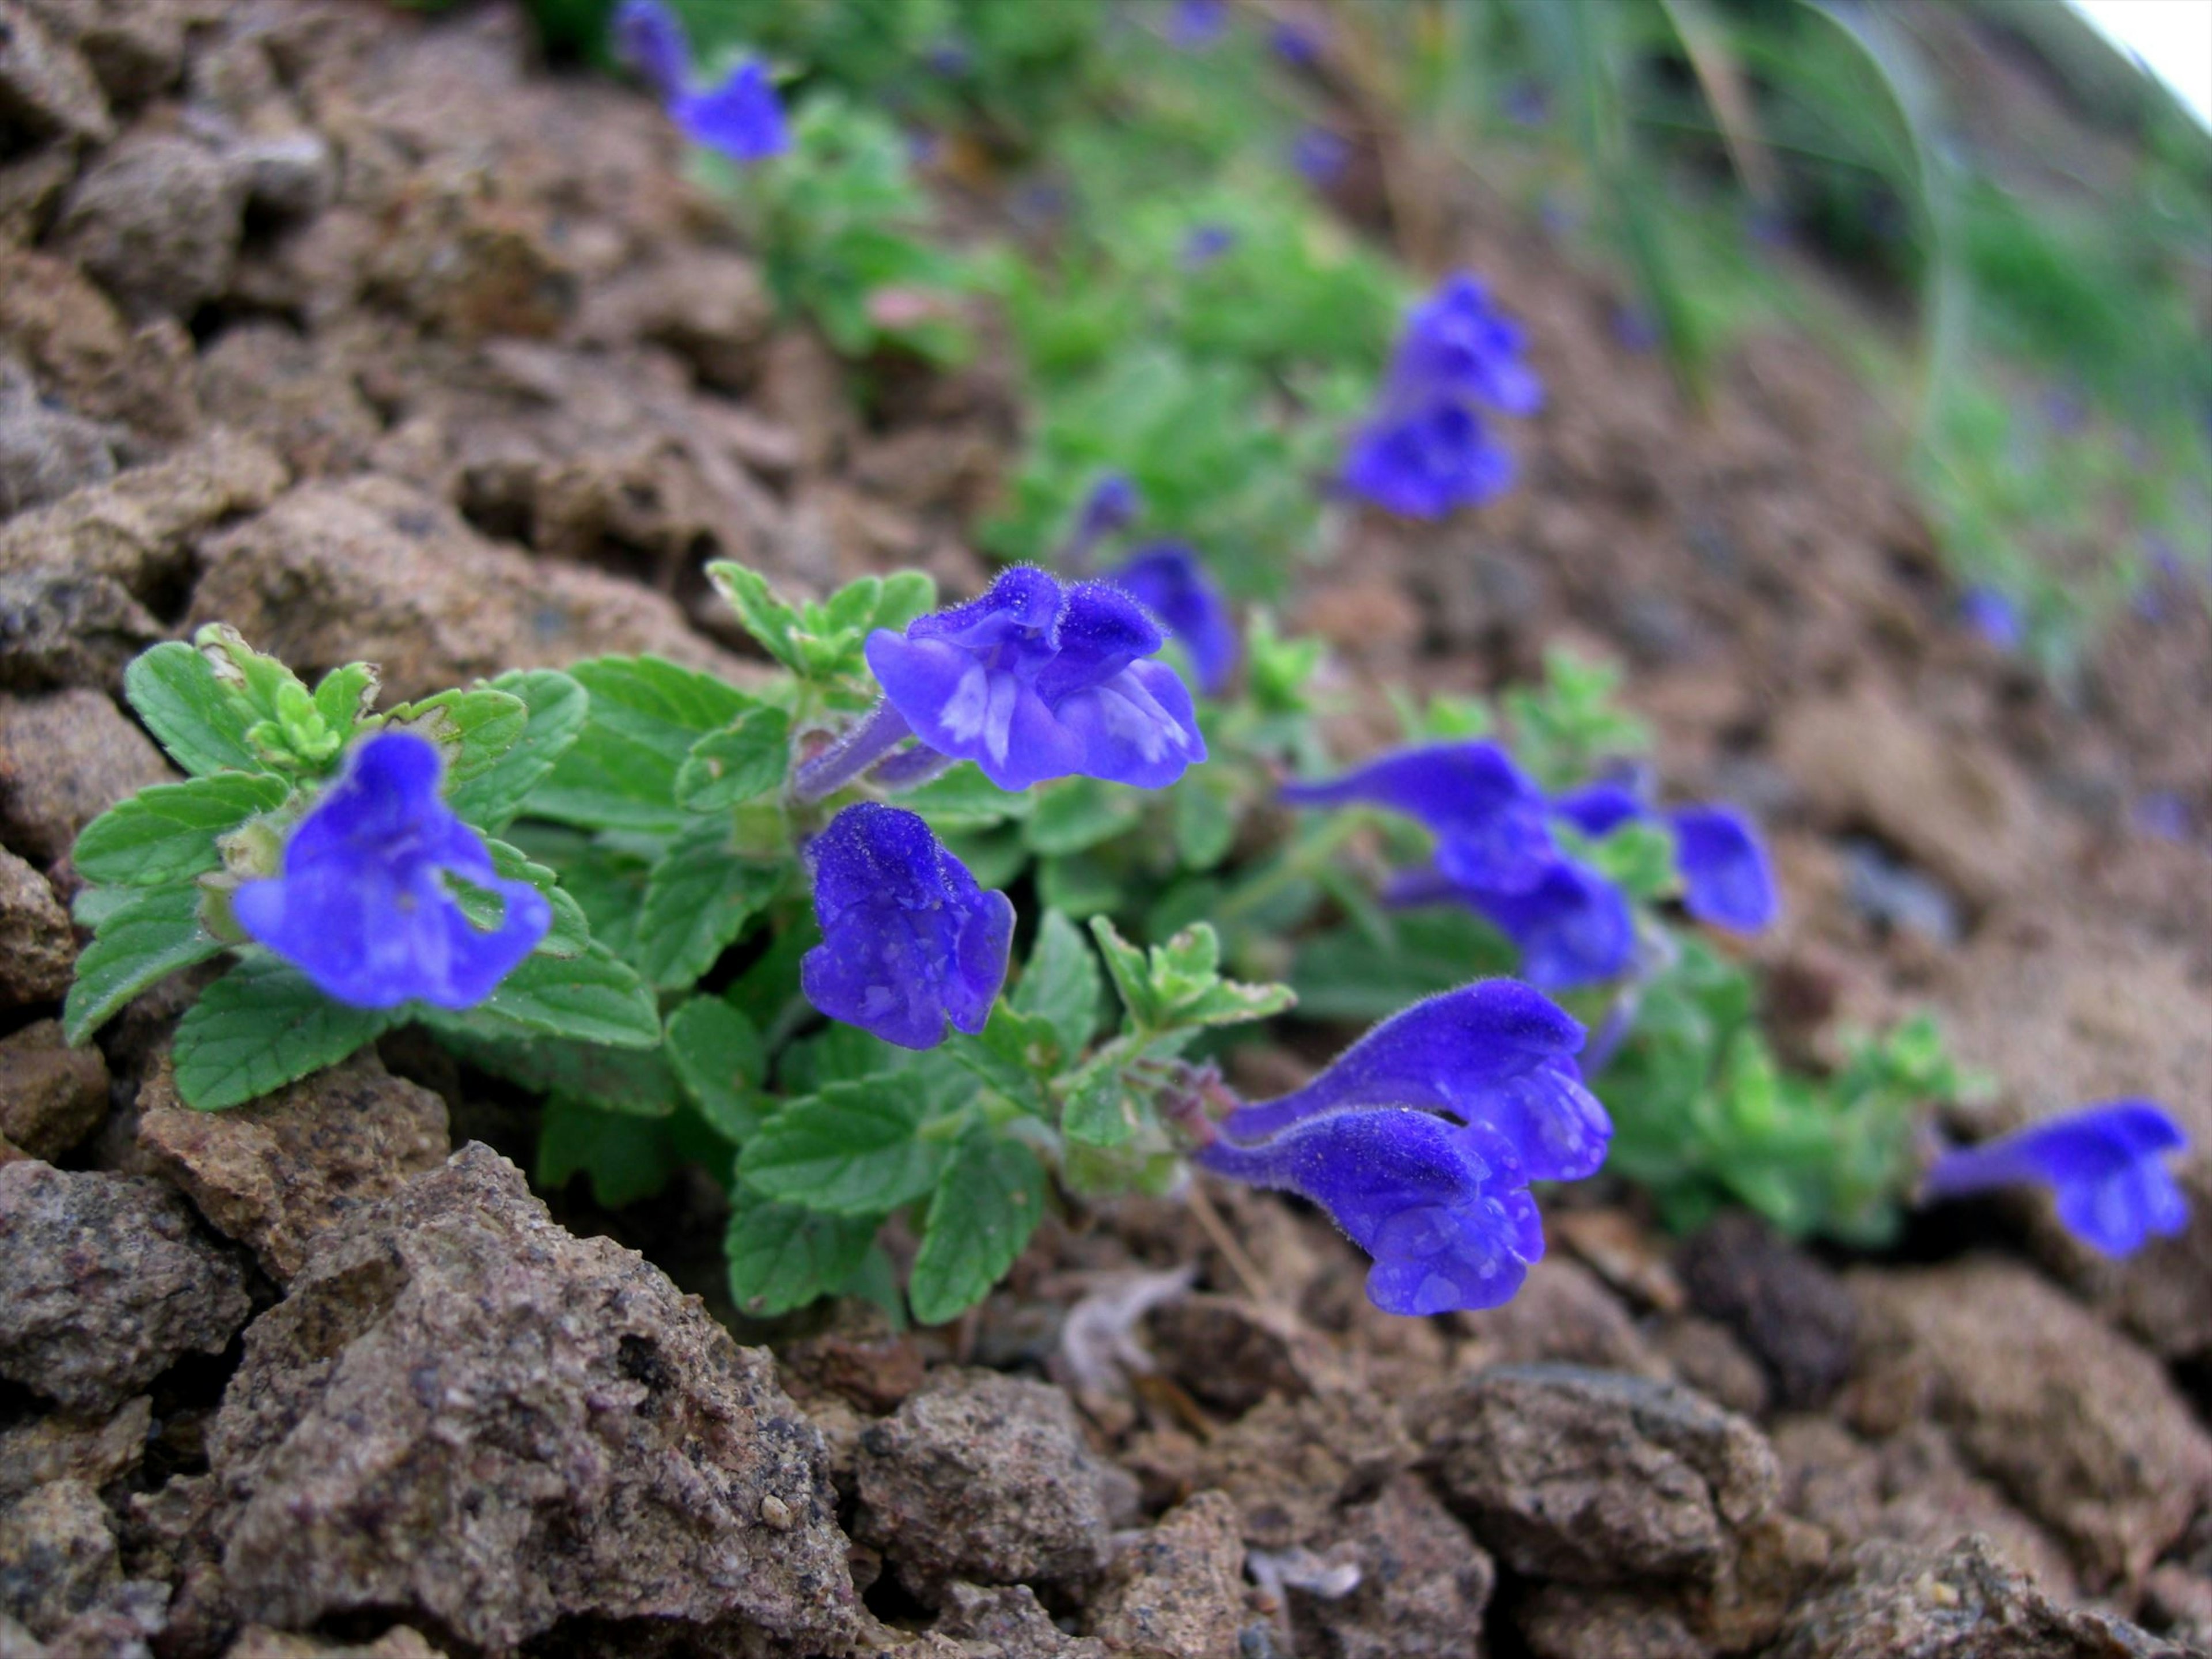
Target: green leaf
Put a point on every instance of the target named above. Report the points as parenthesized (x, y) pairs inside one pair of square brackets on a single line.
[(764, 614), (697, 901), (963, 798), (261, 1026), (1014, 1054), (1131, 973), (1205, 825), (1346, 974), (853, 606), (591, 999), (854, 1149), (570, 934), (1639, 859), (472, 729), (720, 1059), (628, 1158), (987, 1205), (167, 832), (906, 594), (1061, 983), (142, 940), (1080, 886), (741, 761), (345, 696), (200, 722), (1099, 1111), (556, 708), (1078, 813), (632, 1082), (607, 880), (782, 1257), (620, 773)]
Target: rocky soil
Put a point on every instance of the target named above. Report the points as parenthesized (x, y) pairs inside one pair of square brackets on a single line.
[(366, 336)]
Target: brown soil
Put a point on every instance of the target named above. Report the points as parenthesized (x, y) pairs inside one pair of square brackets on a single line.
[(366, 336)]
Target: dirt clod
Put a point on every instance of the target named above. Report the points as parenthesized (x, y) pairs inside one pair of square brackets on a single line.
[(1176, 1592), (38, 951), (51, 1095), (1792, 1313), (64, 759)]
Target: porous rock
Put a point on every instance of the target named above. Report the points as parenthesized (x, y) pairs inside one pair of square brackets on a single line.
[(60, 628), (68, 331), (464, 1415), (45, 452), (63, 1446), (1889, 1601), (45, 84), (136, 48), (1599, 1479), (1424, 1582), (58, 1555), (372, 569), (1177, 1591), (1573, 1621), (38, 951), (64, 759), (51, 1095), (2078, 1425), (274, 1173), (1291, 1464), (105, 1283), (982, 1477), (1007, 1622), (1790, 1311), (259, 1642), (1564, 1312), (157, 219)]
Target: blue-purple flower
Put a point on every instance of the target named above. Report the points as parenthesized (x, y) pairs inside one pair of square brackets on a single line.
[(1169, 581), (2104, 1165), (1573, 927), (362, 905), (1318, 156), (1426, 450), (1727, 880), (1196, 24), (1298, 43), (1112, 506), (1447, 1221), (1486, 814), (910, 941), (740, 116), (1038, 680), (1495, 1053), (1994, 616), (1421, 1138), (1205, 244)]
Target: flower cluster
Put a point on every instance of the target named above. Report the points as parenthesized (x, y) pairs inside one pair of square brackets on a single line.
[(1496, 851), (739, 116), (363, 905), (2104, 1164), (1425, 450), (1423, 1136), (909, 940)]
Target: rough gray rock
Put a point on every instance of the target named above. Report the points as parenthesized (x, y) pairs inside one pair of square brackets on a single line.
[(105, 1283), (1888, 1602), (157, 219), (58, 1555), (46, 452), (2075, 1424), (1790, 1311), (137, 47), (1291, 1464), (273, 1174), (38, 951), (259, 1642), (1573, 1621), (67, 331), (51, 1095), (464, 1415), (983, 1477), (44, 85), (1598, 1478), (64, 759), (60, 628), (1006, 1622), (63, 1447), (1177, 1591), (1424, 1582)]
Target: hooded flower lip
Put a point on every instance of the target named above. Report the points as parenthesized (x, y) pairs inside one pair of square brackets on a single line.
[(360, 904), (1441, 1209), (1487, 816), (909, 940), (2104, 1164), (1727, 880), (1496, 1053), (1427, 462), (1168, 580), (1457, 343), (1036, 680), (740, 117), (1573, 927)]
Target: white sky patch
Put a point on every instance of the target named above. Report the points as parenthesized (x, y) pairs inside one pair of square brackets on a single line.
[(2172, 39)]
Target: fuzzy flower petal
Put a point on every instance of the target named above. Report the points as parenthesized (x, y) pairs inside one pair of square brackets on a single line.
[(1726, 878), (1426, 462), (1442, 1213), (1169, 581), (1574, 927), (361, 906), (1458, 345), (1488, 817), (1035, 680), (648, 37), (741, 118), (2104, 1164), (909, 939), (1497, 1054)]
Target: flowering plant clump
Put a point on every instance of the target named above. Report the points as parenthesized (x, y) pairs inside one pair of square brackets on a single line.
[(2104, 1165)]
